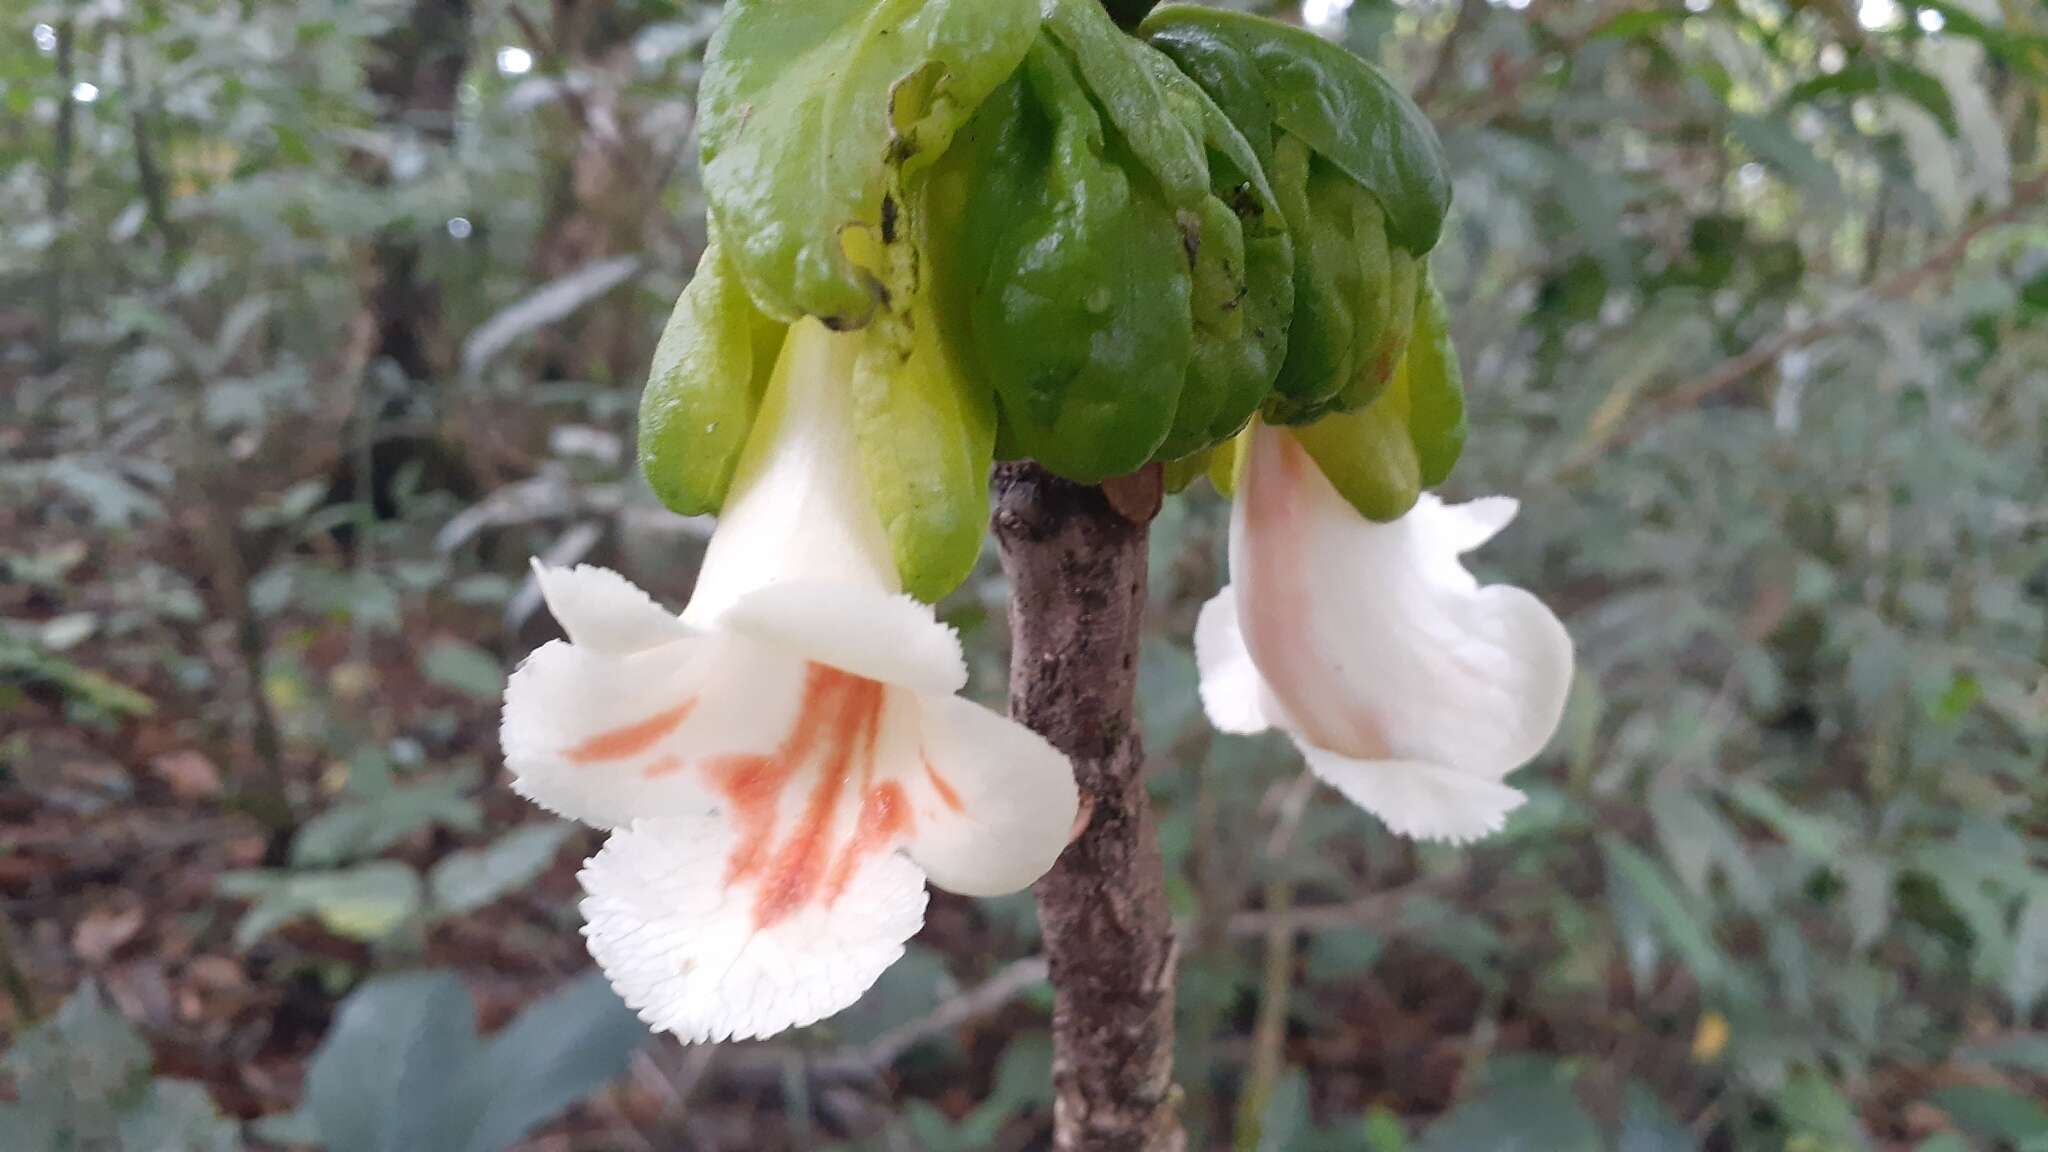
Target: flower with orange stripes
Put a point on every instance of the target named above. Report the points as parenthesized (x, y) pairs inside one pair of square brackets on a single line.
[(783, 766), (1407, 686)]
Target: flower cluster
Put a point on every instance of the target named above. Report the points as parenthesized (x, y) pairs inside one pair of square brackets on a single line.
[(943, 231)]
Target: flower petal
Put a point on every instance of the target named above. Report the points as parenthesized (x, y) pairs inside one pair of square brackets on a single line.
[(799, 508), (1378, 645), (1233, 693), (1416, 798), (603, 737), (682, 946), (603, 610), (872, 634), (994, 802)]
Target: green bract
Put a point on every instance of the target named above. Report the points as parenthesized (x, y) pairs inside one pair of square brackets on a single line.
[(926, 428), (1360, 178), (1381, 456), (704, 390), (1290, 79), (807, 109), (1075, 273), (1436, 388), (1053, 239), (1129, 267)]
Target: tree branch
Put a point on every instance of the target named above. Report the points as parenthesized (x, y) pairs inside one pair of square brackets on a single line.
[(1075, 556)]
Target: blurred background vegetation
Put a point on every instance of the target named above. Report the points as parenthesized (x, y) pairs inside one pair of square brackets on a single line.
[(318, 318)]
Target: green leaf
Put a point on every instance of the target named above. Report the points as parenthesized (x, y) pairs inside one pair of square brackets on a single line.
[(367, 902), (403, 1069), (1817, 1111), (1682, 926), (1639, 24), (382, 814), (2023, 1053), (1647, 1126), (2027, 980), (807, 111), (87, 1055), (1813, 837), (906, 990), (557, 1052), (177, 1116), (1995, 1114), (463, 667), (710, 371), (1771, 141), (1342, 107), (2025, 52), (389, 1076), (1527, 1105), (82, 1082), (466, 881), (1868, 76)]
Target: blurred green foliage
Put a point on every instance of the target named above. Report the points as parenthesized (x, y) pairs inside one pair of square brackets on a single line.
[(320, 317)]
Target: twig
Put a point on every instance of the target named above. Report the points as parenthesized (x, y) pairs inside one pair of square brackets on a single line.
[(230, 578), (874, 1058), (1018, 978), (1269, 1028), (989, 996), (13, 977), (1505, 92), (59, 196), (148, 174), (552, 55), (2026, 196), (1470, 13)]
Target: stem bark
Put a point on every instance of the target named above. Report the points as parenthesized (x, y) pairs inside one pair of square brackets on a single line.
[(1075, 556)]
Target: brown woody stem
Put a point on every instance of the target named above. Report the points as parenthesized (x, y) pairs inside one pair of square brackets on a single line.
[(1075, 556)]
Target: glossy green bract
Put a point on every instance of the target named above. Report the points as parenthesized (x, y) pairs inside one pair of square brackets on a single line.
[(1242, 267), (1359, 176), (1128, 267), (808, 107), (1076, 276), (1342, 107), (704, 391)]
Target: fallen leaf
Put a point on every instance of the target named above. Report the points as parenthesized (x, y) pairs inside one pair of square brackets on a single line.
[(189, 775), (103, 931)]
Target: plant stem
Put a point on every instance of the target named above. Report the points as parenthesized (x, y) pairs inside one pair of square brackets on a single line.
[(1075, 556)]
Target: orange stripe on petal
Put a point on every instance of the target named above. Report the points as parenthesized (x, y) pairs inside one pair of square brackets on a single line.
[(630, 740), (944, 789)]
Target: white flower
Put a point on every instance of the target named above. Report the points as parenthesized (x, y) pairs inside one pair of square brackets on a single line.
[(785, 764), (1407, 686)]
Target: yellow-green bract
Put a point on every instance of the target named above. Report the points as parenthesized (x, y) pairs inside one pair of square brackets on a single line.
[(808, 106), (704, 390)]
